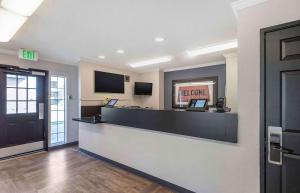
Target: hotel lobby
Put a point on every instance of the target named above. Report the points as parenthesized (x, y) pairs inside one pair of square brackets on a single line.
[(149, 96)]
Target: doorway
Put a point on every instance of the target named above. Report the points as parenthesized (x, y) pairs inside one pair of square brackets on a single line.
[(23, 113), (280, 109)]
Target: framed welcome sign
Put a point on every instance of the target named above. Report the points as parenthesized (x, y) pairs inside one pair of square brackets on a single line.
[(185, 90)]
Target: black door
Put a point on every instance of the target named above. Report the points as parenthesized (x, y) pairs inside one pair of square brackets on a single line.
[(23, 107), (282, 108)]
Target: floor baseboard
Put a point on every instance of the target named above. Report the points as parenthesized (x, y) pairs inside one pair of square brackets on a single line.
[(63, 146), (162, 182), (22, 154), (21, 149)]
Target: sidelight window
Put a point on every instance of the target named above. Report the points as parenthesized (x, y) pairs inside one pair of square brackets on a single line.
[(20, 94), (58, 99)]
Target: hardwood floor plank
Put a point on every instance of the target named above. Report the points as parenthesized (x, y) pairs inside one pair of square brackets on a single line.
[(69, 171)]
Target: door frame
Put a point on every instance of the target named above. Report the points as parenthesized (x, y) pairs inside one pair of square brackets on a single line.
[(46, 94), (263, 127)]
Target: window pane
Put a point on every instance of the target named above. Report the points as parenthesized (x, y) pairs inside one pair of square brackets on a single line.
[(11, 94), (61, 83), (61, 137), (11, 80), (61, 105), (54, 93), (22, 81), (32, 94), (61, 116), (53, 104), (31, 82), (61, 93), (31, 106), (22, 107), (61, 127), (53, 128), (53, 82), (53, 138), (22, 94), (53, 116), (11, 107)]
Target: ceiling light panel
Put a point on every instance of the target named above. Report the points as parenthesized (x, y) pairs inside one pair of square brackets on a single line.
[(120, 51), (214, 48), (151, 62), (159, 39), (22, 7), (10, 23)]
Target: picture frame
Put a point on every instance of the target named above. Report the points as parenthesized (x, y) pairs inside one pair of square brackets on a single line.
[(201, 88)]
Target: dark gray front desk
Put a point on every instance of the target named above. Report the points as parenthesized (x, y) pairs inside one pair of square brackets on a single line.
[(216, 126)]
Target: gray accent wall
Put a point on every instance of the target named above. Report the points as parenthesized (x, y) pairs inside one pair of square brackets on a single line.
[(208, 71)]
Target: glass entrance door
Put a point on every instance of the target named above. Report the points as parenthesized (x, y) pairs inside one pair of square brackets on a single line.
[(58, 113)]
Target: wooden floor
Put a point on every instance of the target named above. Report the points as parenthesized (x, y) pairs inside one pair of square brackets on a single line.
[(69, 171)]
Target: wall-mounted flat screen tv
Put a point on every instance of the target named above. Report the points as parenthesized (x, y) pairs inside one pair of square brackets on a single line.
[(143, 88), (108, 82)]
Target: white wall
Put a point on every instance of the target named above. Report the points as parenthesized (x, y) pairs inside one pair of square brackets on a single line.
[(250, 21), (89, 97), (156, 100), (71, 72)]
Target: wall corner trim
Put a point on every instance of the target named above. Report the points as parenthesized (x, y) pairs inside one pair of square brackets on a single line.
[(230, 55), (243, 4)]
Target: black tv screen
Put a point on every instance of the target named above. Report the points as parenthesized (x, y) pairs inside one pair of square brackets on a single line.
[(108, 82), (143, 88)]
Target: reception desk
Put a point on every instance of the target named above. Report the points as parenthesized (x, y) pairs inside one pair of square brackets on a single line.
[(173, 148), (209, 125)]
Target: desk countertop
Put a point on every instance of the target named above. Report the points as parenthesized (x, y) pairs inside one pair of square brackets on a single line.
[(91, 120)]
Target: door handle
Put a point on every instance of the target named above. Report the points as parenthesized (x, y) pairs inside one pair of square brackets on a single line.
[(275, 149), (293, 156), (282, 150), (41, 111)]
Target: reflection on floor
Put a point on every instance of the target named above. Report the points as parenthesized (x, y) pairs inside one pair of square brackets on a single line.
[(69, 171)]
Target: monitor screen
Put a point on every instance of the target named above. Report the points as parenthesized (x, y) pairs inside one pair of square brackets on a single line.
[(109, 83), (197, 103), (200, 103), (143, 88)]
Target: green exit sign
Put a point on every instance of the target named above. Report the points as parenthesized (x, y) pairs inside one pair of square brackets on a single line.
[(28, 55)]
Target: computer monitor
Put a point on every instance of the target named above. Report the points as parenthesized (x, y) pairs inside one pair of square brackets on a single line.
[(197, 104), (112, 103)]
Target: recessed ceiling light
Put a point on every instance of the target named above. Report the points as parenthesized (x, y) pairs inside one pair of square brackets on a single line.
[(120, 51), (101, 57), (213, 48), (10, 23), (25, 8), (151, 61), (159, 39)]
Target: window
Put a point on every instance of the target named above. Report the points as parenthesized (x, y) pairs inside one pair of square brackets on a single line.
[(58, 92), (20, 94)]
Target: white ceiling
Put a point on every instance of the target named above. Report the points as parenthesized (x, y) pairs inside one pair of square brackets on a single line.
[(70, 30)]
